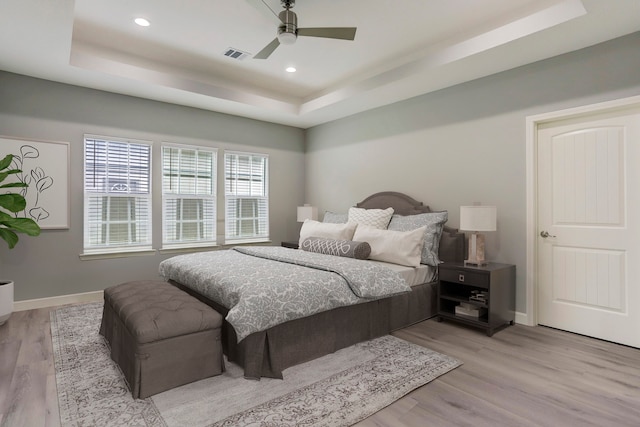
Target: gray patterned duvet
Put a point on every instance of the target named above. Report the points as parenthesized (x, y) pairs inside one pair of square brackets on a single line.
[(265, 286)]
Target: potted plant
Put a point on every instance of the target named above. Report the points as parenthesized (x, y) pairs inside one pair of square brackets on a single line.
[(10, 225)]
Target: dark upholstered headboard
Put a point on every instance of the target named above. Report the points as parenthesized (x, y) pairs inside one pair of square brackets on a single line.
[(401, 203), (452, 242)]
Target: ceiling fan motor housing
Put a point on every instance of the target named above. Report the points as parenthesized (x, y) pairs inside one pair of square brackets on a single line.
[(288, 31)]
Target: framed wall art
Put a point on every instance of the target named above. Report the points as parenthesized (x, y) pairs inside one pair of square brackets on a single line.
[(45, 168)]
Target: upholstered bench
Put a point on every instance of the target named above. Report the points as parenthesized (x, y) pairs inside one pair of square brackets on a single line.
[(160, 336)]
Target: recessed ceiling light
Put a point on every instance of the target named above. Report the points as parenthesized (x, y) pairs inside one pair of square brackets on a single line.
[(142, 22), (291, 69)]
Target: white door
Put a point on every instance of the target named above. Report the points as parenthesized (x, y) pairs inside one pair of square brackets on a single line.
[(589, 210)]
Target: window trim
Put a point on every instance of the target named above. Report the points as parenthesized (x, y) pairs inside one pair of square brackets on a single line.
[(156, 172), (171, 246), (117, 250), (91, 254), (249, 239)]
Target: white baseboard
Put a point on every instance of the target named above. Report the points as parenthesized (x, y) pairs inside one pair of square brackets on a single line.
[(60, 300), (523, 319)]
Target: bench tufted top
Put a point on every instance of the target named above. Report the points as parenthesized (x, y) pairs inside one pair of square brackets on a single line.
[(152, 310)]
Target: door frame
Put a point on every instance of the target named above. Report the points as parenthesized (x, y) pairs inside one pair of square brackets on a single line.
[(530, 317)]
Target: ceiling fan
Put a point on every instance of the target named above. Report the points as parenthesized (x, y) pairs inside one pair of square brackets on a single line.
[(288, 31)]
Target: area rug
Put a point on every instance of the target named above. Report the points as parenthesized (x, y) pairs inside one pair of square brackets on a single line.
[(339, 389)]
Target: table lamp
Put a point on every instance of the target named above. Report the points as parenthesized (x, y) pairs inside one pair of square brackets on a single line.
[(477, 218)]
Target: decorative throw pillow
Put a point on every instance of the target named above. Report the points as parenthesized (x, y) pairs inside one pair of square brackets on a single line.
[(376, 218), (434, 223), (311, 228), (397, 247), (335, 218), (344, 248)]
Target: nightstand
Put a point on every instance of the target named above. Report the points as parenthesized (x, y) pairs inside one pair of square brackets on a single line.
[(482, 297), (292, 245)]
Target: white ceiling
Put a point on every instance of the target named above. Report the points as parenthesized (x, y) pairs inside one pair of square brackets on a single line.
[(402, 48)]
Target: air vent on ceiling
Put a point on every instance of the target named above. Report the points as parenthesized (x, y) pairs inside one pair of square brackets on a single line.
[(235, 53)]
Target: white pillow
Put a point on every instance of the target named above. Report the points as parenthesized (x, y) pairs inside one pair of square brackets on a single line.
[(397, 247), (376, 218), (311, 228)]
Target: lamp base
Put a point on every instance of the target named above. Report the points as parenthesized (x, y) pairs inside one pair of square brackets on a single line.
[(476, 251)]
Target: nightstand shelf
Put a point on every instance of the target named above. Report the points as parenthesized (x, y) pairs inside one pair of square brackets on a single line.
[(463, 299), (457, 283)]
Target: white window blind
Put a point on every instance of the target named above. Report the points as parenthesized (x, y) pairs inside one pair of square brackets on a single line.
[(188, 196), (117, 195), (246, 196)]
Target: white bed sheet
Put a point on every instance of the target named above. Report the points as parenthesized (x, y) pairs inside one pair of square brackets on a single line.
[(412, 275)]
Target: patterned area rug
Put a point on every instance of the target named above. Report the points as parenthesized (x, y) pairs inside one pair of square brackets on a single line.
[(336, 390)]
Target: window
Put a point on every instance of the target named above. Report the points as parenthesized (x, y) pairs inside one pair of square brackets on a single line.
[(188, 196), (246, 196), (117, 195)]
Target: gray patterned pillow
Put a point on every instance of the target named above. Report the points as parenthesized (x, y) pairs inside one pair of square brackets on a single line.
[(345, 248), (335, 218), (435, 224), (376, 218)]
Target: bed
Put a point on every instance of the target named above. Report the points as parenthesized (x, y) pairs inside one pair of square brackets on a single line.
[(267, 353)]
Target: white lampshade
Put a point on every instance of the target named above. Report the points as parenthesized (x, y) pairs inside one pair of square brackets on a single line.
[(307, 212), (478, 218)]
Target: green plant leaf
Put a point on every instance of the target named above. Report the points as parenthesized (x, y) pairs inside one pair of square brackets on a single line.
[(20, 225), (4, 163), (4, 217), (12, 202), (4, 175), (9, 236), (13, 184), (23, 225)]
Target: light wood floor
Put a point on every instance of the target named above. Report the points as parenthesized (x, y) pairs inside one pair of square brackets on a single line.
[(522, 376)]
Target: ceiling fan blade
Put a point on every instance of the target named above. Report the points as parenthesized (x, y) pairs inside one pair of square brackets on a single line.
[(268, 50), (344, 33)]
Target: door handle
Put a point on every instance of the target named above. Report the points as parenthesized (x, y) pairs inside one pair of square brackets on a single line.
[(546, 234)]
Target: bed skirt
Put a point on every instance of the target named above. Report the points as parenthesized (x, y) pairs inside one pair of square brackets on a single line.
[(268, 353)]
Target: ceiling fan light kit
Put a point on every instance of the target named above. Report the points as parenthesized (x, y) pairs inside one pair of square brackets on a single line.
[(288, 31), (287, 38)]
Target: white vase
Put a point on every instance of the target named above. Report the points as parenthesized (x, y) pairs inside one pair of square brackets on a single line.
[(6, 300)]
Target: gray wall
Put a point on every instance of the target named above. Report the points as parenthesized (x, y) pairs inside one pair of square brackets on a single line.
[(452, 147), (466, 143), (49, 265)]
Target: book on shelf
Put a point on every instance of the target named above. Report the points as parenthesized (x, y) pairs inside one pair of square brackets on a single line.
[(474, 311), (478, 298)]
